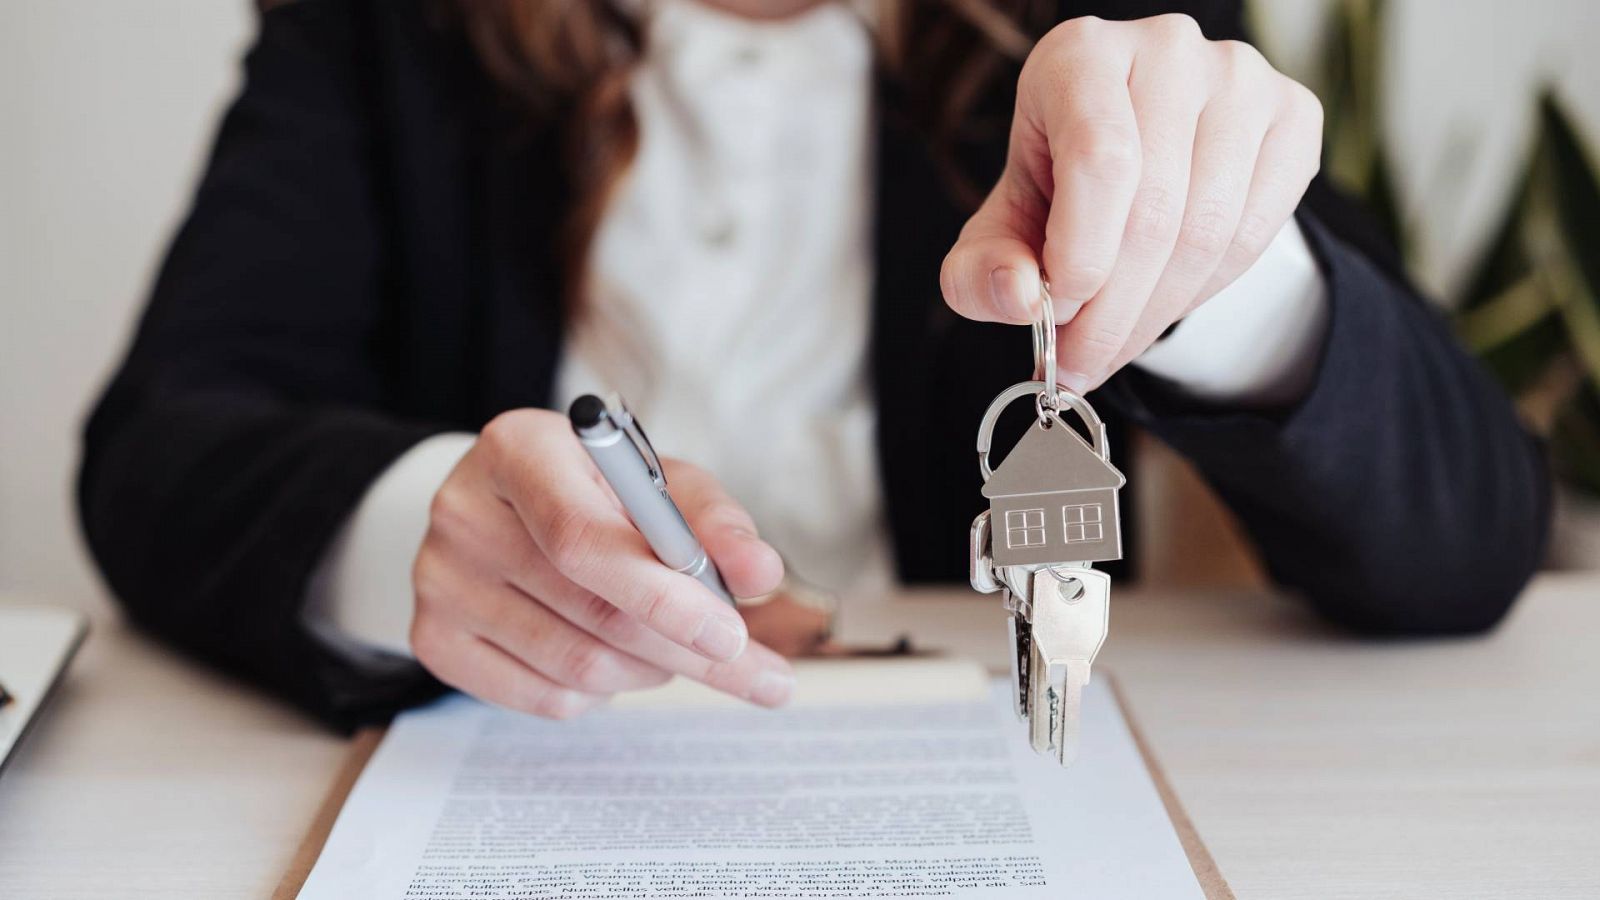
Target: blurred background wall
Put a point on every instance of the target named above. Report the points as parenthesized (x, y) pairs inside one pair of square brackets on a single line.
[(106, 112), (107, 108)]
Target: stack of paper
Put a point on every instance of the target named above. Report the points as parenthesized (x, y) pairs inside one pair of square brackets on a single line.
[(903, 779)]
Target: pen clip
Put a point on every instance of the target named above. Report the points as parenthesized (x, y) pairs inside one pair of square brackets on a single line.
[(635, 432)]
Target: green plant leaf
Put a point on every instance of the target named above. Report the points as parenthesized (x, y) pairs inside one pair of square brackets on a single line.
[(1575, 441), (1500, 318), (1577, 191), (1519, 362), (1503, 263), (1353, 151), (1564, 237)]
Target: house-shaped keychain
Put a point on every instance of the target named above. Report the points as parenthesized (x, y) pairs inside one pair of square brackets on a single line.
[(1053, 500)]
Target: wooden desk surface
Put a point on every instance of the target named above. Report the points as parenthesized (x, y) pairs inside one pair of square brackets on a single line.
[(1313, 765)]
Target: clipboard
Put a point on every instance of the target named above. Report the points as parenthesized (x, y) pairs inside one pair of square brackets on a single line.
[(366, 741)]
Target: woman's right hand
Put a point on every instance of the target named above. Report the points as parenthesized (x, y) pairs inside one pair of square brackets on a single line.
[(535, 592)]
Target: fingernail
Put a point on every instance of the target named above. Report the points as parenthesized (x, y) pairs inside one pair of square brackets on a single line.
[(719, 639), (772, 688), (571, 704), (1076, 382), (1011, 295), (1066, 310)]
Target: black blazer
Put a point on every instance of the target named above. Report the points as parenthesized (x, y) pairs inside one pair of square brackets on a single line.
[(369, 261)]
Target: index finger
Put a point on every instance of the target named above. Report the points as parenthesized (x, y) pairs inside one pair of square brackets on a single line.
[(749, 565), (543, 473), (1078, 100)]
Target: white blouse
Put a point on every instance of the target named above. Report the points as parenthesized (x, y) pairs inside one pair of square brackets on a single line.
[(733, 275), (730, 305)]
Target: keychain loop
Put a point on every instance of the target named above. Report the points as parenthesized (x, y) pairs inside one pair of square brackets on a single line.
[(1062, 397), (1044, 353)]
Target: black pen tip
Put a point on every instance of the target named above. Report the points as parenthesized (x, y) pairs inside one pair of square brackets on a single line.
[(587, 411)]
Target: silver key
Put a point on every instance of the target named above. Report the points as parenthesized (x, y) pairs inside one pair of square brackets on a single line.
[(1019, 640), (1018, 603), (1071, 614), (1057, 619), (1014, 588)]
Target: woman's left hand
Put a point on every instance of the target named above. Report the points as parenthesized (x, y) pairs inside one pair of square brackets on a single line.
[(1149, 167)]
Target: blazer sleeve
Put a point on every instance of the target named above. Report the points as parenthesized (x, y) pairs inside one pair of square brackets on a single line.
[(248, 417), (1401, 495)]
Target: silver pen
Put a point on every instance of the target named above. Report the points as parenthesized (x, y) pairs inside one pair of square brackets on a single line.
[(618, 446)]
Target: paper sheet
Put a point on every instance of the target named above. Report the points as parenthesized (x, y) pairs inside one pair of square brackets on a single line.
[(825, 799)]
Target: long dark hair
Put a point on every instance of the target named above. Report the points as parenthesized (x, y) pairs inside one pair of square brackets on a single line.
[(572, 60)]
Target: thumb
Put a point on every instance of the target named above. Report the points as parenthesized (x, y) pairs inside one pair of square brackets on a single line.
[(992, 272), (749, 565)]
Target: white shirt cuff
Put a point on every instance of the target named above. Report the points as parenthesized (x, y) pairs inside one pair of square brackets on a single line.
[(360, 597), (1258, 341)]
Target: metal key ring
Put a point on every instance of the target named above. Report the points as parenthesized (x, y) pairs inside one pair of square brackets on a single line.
[(1044, 338), (1063, 397)]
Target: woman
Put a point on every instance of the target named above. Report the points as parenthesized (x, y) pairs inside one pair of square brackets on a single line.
[(426, 224)]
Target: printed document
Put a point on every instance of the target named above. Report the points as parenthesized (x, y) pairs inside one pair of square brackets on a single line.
[(883, 779)]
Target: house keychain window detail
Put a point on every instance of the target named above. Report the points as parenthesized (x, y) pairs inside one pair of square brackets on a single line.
[(1024, 528), (1082, 522)]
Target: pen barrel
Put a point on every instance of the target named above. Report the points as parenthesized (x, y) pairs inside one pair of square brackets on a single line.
[(652, 511), (706, 573)]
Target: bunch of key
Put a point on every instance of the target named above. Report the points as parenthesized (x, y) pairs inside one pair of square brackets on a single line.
[(1052, 514)]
